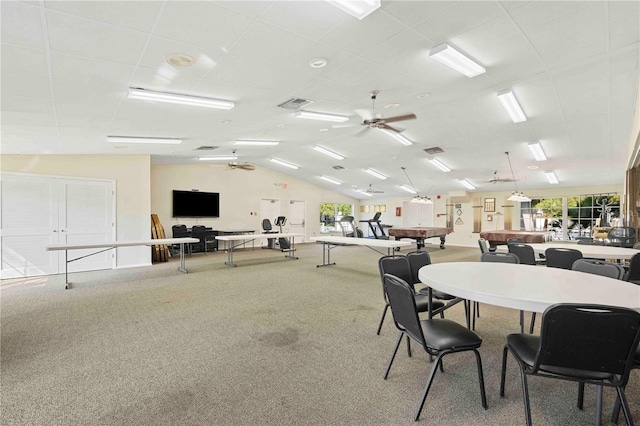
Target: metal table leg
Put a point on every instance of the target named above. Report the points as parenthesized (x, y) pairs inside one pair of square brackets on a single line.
[(182, 267), (229, 261)]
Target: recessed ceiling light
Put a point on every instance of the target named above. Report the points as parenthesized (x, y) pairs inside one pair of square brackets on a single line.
[(321, 116), (180, 60), (264, 132), (376, 174), (176, 98), (324, 130), (447, 55), (391, 106), (358, 9), (330, 153), (466, 184), (532, 167), (284, 163), (511, 105), (318, 63)]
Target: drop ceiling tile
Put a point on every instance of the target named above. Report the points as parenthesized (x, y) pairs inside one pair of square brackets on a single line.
[(81, 92), (21, 25), (202, 24), (536, 14), (310, 19), (28, 144), (458, 19), (412, 12), (249, 8), (624, 23), (90, 109), (89, 71), (584, 90), (165, 79), (134, 15), (20, 118), (17, 103), (23, 60), (268, 44), (299, 62), (25, 85), (82, 37)]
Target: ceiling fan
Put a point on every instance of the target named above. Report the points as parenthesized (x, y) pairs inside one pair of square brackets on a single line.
[(244, 166), (498, 179), (370, 190), (375, 121)]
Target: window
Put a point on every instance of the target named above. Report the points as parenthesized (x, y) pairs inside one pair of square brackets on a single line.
[(331, 213)]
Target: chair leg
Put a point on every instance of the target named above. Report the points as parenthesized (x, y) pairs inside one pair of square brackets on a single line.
[(580, 396), (625, 406), (467, 313), (616, 411), (598, 415), (525, 396), (521, 322), (395, 351), (432, 374), (533, 322), (504, 370), (384, 313), (483, 394), (408, 346)]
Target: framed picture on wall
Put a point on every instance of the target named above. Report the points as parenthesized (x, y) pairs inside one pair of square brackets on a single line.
[(490, 205)]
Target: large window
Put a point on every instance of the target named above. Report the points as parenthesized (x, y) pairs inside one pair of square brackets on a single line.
[(584, 212), (331, 213)]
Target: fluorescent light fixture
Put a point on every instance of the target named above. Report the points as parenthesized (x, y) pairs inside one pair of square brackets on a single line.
[(376, 174), (219, 158), (332, 180), (408, 189), (511, 105), (284, 163), (439, 164), (551, 177), (356, 8), (175, 98), (136, 139), (256, 143), (325, 151), (364, 192), (321, 116), (519, 197), (398, 137), (466, 184), (536, 150), (447, 55)]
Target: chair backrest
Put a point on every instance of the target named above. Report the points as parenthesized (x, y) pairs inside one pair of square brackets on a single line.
[(403, 307), (623, 236), (266, 225), (179, 231), (562, 258), (417, 259), (525, 253), (515, 241), (198, 231), (634, 268), (599, 267), (499, 257), (397, 266), (484, 248), (589, 337)]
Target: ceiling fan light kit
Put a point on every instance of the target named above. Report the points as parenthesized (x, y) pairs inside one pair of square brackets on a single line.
[(284, 163), (321, 116), (421, 200), (176, 98), (511, 106), (143, 139), (516, 196), (332, 180), (536, 150), (439, 164), (256, 143), (358, 9), (375, 174), (447, 55), (330, 153), (551, 177)]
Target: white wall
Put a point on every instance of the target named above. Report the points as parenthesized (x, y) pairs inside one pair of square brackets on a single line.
[(131, 174), (240, 195)]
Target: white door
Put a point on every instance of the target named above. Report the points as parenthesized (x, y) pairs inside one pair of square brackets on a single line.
[(36, 211), (417, 214), (269, 209), (296, 218), (28, 223)]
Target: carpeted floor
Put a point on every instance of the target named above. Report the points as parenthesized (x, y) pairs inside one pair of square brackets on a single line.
[(271, 342)]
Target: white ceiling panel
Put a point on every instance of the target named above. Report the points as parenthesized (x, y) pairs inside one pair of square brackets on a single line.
[(573, 66)]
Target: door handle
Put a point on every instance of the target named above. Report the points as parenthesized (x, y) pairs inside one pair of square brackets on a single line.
[(55, 230)]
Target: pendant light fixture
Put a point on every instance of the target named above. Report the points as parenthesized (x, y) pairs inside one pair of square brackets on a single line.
[(516, 196), (416, 198)]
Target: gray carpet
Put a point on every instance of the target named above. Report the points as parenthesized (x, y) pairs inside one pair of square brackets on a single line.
[(271, 342)]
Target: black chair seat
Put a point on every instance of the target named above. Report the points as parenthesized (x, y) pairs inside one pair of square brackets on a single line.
[(422, 303), (437, 294), (446, 334)]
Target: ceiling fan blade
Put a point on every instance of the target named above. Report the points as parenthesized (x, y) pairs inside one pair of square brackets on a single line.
[(399, 118), (386, 127), (361, 132), (246, 166), (365, 114)]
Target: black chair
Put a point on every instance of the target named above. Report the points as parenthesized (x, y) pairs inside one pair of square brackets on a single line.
[(633, 276), (621, 236), (562, 258), (515, 241), (525, 253), (418, 259), (616, 407), (484, 247), (599, 267), (180, 231), (399, 267), (200, 232), (438, 337), (591, 344)]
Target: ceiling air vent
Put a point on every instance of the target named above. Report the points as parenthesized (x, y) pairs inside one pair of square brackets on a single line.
[(295, 103), (434, 150), (338, 167), (206, 148)]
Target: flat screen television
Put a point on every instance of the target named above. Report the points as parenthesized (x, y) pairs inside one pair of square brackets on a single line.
[(196, 204)]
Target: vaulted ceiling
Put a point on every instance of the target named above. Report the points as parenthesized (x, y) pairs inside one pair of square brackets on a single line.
[(573, 66)]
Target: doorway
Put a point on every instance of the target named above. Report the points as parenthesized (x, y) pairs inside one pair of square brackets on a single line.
[(296, 218)]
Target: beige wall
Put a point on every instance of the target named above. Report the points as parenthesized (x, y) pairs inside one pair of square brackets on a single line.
[(132, 182), (240, 195)]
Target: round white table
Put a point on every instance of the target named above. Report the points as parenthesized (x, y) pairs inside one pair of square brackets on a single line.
[(527, 287), (593, 251)]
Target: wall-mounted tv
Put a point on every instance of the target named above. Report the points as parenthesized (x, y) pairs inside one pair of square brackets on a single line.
[(196, 204)]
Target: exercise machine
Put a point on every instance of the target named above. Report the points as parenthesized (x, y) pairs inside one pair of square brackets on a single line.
[(349, 228), (284, 244), (375, 226)]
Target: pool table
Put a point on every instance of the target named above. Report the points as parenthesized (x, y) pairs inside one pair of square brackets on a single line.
[(420, 233), (498, 237)]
